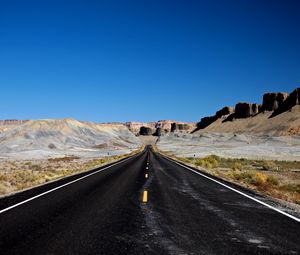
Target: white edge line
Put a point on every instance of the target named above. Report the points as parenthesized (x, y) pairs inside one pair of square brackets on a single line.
[(61, 186), (237, 191)]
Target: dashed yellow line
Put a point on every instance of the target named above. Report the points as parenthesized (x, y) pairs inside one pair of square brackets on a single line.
[(145, 196), (146, 176)]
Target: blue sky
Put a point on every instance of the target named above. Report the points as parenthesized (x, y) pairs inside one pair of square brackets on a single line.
[(143, 60)]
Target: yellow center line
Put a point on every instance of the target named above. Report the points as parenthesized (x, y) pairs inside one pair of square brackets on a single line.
[(145, 196), (146, 176)]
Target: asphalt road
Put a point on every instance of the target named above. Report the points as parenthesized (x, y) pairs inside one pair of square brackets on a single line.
[(103, 213)]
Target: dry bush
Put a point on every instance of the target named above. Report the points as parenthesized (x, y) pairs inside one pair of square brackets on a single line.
[(245, 172), (210, 162), (270, 165)]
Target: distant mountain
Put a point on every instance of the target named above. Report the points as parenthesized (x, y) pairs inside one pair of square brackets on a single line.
[(45, 138)]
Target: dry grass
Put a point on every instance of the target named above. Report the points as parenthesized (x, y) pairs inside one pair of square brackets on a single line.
[(63, 159), (19, 175), (280, 179)]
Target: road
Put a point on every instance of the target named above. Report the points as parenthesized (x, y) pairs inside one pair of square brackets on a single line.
[(103, 212)]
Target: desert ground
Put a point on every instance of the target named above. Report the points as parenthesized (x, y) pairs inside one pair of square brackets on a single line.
[(232, 145)]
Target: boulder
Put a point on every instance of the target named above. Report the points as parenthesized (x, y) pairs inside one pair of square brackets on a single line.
[(271, 101), (224, 111), (145, 131)]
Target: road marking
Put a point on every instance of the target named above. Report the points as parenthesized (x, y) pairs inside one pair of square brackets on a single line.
[(145, 196), (64, 185), (146, 176), (147, 163), (147, 168), (237, 191)]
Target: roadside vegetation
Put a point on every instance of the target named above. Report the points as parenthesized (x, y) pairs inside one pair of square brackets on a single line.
[(279, 179), (19, 175)]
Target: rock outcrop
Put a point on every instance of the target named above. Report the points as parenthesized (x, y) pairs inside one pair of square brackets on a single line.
[(245, 110), (224, 111), (206, 121), (273, 104), (256, 108), (290, 101), (179, 127), (135, 127), (271, 101), (145, 131)]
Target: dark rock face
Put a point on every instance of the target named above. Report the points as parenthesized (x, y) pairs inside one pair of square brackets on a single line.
[(187, 127), (256, 108), (158, 132), (271, 101), (145, 131), (243, 110), (287, 104), (174, 127), (206, 121), (224, 111)]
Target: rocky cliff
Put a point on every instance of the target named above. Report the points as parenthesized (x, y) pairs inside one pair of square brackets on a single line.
[(273, 105)]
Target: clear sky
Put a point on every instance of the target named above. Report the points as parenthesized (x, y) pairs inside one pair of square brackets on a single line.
[(143, 60)]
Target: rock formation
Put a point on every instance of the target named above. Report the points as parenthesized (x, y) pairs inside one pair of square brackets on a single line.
[(271, 101), (206, 121), (256, 108), (224, 111), (135, 127), (288, 102), (244, 110), (276, 103), (180, 127), (145, 131)]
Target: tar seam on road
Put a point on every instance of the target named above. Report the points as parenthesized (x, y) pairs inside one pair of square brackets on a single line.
[(235, 190), (61, 186), (145, 196)]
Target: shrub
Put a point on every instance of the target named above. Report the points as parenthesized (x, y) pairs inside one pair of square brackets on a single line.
[(211, 161), (260, 179), (270, 166), (237, 166), (272, 180)]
